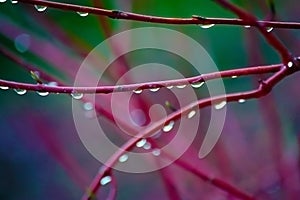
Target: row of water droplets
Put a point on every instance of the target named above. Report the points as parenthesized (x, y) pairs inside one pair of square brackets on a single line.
[(207, 26)]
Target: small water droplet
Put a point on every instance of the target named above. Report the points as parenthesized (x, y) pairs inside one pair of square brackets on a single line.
[(52, 84), (290, 64), (197, 84), (4, 87), (181, 86), (191, 114), (156, 152), (234, 77), (88, 106), (220, 105), (82, 14), (141, 143), (105, 180), (170, 87), (269, 29), (123, 158), (168, 127), (13, 1), (40, 8), (76, 95), (138, 91), (205, 26), (2, 1), (247, 26), (242, 101), (147, 146), (43, 94), (20, 91), (154, 89)]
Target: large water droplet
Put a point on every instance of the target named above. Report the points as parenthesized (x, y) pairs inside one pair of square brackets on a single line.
[(156, 152), (241, 100), (220, 105), (40, 8), (20, 91), (154, 89), (191, 114), (13, 1), (2, 1), (82, 14), (43, 94), (181, 86), (123, 158), (138, 91), (269, 29), (147, 146), (290, 64), (76, 95), (170, 87), (141, 143), (105, 180), (88, 106), (205, 26), (4, 87), (197, 84), (168, 127)]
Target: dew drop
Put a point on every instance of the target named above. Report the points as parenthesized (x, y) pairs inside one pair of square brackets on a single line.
[(147, 146), (88, 106), (105, 180), (154, 89), (205, 26), (52, 84), (76, 95), (234, 77), (4, 87), (170, 87), (247, 26), (181, 86), (197, 84), (20, 91), (220, 105), (138, 91), (82, 14), (2, 1), (40, 8), (13, 1), (123, 158), (168, 127), (43, 94), (241, 100), (141, 143), (290, 64), (156, 152), (269, 29), (191, 114)]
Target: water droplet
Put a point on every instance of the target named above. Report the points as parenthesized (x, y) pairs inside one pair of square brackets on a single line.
[(170, 87), (147, 146), (290, 64), (242, 101), (205, 26), (52, 84), (2, 1), (43, 94), (168, 127), (123, 158), (269, 29), (156, 152), (20, 91), (220, 105), (247, 26), (40, 8), (76, 95), (234, 76), (141, 143), (88, 106), (138, 91), (13, 1), (181, 86), (105, 180), (4, 87), (191, 114), (154, 89), (82, 14), (197, 84)]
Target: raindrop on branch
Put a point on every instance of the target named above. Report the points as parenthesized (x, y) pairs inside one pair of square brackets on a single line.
[(206, 26), (168, 127), (154, 89), (77, 95), (141, 143), (170, 87), (181, 86), (82, 14), (241, 100), (123, 158), (197, 84), (269, 29), (4, 87), (191, 114), (13, 1), (40, 8), (20, 91), (2, 1), (156, 152), (138, 91), (42, 94), (105, 180), (220, 105)]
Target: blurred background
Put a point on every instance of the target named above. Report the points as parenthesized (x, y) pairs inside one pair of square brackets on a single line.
[(41, 155)]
